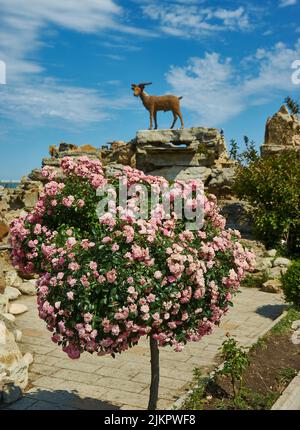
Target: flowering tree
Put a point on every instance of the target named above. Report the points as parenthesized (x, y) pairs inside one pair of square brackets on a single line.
[(107, 280)]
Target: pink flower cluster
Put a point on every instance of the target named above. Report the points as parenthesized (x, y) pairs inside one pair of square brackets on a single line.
[(105, 283)]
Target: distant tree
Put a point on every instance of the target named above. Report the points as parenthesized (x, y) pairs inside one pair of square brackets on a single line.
[(292, 106), (234, 147), (250, 154)]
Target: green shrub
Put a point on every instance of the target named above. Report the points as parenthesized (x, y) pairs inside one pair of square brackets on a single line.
[(272, 186), (291, 284)]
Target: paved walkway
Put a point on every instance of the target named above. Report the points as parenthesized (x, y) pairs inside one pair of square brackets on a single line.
[(92, 382)]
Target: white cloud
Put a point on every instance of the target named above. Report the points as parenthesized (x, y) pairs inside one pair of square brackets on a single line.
[(52, 100), (285, 3), (215, 90), (28, 94), (189, 20)]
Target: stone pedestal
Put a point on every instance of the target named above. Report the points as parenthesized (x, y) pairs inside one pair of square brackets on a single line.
[(191, 153)]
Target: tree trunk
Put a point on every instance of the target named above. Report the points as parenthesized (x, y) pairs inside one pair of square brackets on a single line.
[(154, 374)]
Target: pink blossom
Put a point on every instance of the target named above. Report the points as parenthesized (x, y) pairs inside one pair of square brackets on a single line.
[(115, 329), (157, 274), (93, 265), (115, 247), (145, 308), (88, 317), (111, 276), (70, 295)]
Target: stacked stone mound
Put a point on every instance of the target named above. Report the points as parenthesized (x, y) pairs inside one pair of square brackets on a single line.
[(191, 153), (282, 132), (13, 364), (14, 200), (119, 153)]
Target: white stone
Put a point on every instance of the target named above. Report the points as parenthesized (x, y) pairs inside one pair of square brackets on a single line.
[(11, 277), (28, 288), (13, 368), (18, 335), (3, 304), (12, 293), (280, 261), (272, 252), (272, 286), (17, 308), (296, 325), (262, 264), (10, 317), (28, 358), (276, 272)]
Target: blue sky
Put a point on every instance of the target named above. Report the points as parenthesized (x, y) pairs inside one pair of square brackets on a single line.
[(70, 65)]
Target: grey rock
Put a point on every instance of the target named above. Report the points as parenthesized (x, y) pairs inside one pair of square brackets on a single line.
[(11, 277), (222, 181), (13, 368), (182, 173), (276, 272), (12, 293), (272, 252), (10, 317), (17, 308), (280, 261), (237, 218), (3, 304), (262, 264), (10, 393), (28, 288), (187, 135), (296, 325), (272, 286)]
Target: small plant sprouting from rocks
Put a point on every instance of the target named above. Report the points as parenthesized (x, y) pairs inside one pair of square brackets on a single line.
[(235, 363)]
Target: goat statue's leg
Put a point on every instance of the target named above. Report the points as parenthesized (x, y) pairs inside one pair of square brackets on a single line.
[(151, 120), (174, 120), (155, 120), (181, 119)]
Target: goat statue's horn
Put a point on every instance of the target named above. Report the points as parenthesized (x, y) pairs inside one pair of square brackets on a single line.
[(145, 83)]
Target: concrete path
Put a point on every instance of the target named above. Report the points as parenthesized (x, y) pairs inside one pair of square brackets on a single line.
[(92, 382)]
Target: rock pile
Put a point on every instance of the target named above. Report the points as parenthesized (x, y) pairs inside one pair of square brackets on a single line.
[(282, 132), (191, 153), (13, 365), (269, 267)]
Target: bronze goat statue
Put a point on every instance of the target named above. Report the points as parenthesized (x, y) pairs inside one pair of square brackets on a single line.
[(158, 103)]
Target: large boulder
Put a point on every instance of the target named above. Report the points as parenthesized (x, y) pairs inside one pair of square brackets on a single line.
[(222, 180), (282, 132), (197, 146), (13, 366), (183, 173)]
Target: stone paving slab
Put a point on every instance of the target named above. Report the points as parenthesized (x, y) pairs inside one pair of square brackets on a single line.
[(290, 398), (93, 382)]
